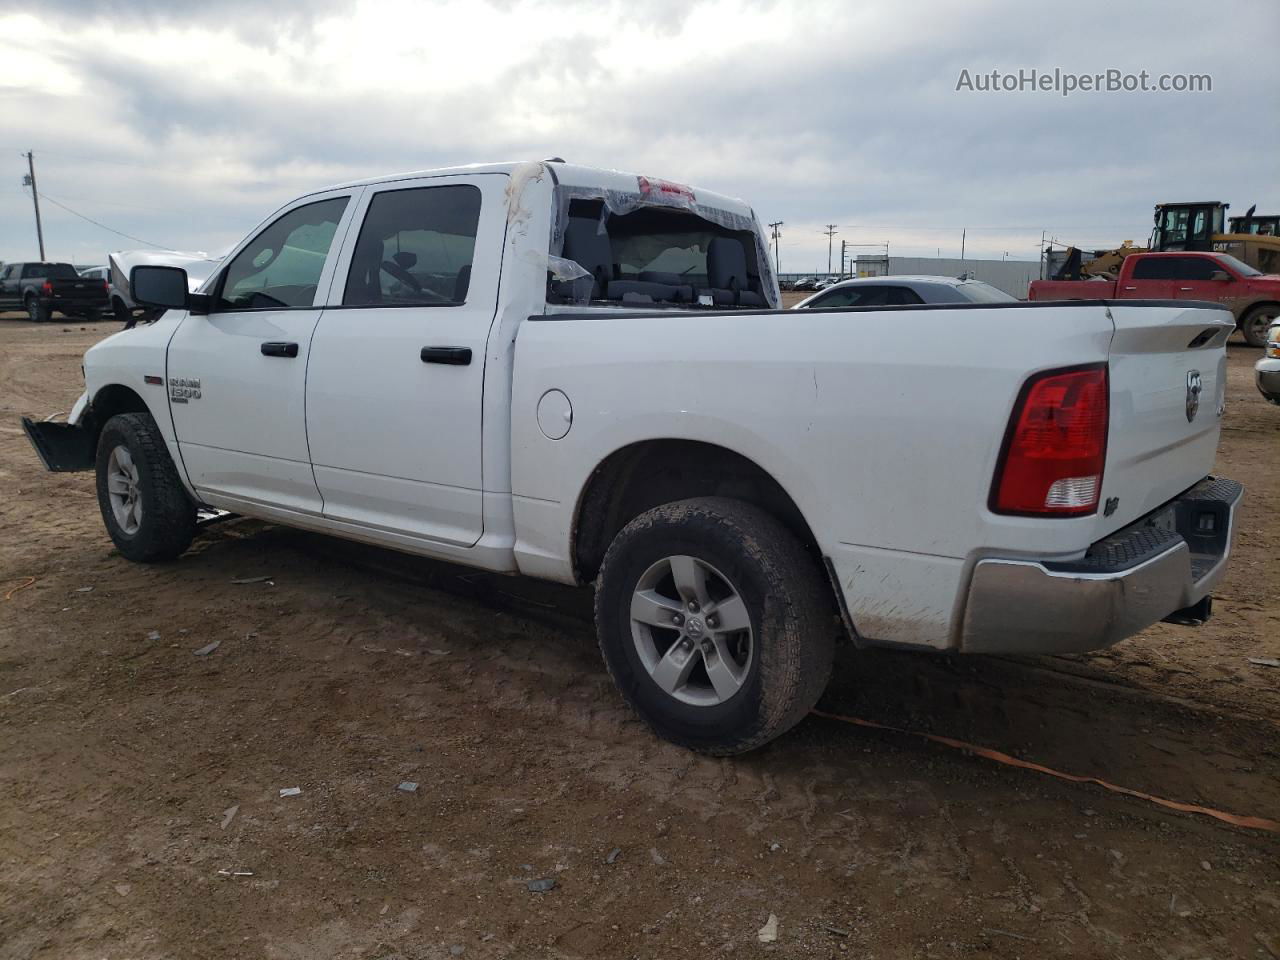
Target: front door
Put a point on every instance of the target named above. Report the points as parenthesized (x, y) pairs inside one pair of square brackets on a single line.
[(396, 379), (237, 377), (1193, 280)]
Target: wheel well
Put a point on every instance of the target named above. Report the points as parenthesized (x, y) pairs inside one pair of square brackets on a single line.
[(111, 400), (645, 475), (1256, 306)]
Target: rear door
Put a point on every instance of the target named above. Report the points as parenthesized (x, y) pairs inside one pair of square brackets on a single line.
[(237, 376), (1150, 279), (396, 377)]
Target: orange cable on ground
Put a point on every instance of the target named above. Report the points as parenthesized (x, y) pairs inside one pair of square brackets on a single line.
[(21, 586), (1256, 823)]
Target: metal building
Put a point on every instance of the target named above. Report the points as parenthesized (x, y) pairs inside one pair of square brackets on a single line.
[(1011, 276)]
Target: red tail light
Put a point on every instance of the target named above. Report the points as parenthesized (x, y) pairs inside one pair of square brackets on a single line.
[(46, 288), (1056, 445), (106, 287)]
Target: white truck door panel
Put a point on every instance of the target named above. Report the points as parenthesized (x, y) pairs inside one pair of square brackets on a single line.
[(395, 380), (237, 376)]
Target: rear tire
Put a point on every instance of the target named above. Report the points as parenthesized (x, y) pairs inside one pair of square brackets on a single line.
[(1254, 324), (36, 311), (147, 511), (765, 614)]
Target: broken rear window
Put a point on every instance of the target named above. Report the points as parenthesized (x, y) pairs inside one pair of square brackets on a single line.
[(637, 255)]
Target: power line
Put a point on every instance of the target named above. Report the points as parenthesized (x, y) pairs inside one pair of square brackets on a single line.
[(120, 233)]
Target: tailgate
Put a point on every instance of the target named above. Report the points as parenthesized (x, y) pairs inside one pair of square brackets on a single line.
[(1168, 369), (79, 289)]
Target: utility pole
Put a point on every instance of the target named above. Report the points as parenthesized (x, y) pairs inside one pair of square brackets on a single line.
[(831, 235), (963, 231), (843, 244), (30, 180), (777, 263)]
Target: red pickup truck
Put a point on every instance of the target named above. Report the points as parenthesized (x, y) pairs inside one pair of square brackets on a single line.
[(1252, 297)]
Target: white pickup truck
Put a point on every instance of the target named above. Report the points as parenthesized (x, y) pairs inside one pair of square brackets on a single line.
[(576, 374)]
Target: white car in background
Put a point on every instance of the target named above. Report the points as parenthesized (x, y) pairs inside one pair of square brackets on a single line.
[(199, 267), (903, 291), (1266, 371)]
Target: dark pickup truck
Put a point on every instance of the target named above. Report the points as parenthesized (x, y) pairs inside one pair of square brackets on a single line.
[(42, 288)]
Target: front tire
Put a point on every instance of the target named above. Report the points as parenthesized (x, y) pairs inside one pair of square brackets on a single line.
[(715, 624), (1254, 324), (147, 511)]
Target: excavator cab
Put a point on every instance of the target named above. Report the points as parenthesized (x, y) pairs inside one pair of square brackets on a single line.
[(1256, 224), (1187, 226)]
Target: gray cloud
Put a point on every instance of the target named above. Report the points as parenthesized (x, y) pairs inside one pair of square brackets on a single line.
[(854, 121)]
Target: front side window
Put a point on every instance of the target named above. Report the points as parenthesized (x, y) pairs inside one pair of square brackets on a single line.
[(1194, 268), (415, 248), (281, 266)]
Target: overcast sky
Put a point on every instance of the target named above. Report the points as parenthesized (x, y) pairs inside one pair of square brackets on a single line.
[(185, 123)]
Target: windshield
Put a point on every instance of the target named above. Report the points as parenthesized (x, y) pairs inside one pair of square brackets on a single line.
[(50, 271), (979, 292), (1238, 266)]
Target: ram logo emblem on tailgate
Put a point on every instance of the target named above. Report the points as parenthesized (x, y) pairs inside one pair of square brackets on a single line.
[(1193, 394)]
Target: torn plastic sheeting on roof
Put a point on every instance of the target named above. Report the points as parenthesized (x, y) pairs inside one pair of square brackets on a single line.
[(573, 280), (560, 268)]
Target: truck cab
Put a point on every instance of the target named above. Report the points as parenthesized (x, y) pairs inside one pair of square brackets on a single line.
[(1209, 277)]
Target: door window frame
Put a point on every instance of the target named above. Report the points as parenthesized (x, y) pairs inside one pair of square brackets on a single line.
[(213, 286), (487, 252)]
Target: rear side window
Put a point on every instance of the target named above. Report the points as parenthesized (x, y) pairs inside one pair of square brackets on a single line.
[(867, 296), (415, 248), (281, 266), (1152, 268)]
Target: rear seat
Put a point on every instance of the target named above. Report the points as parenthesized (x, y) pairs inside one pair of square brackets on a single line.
[(654, 284), (727, 274), (589, 247)]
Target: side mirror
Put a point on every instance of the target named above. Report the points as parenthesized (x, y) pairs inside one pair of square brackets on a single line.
[(159, 287), (1219, 275)]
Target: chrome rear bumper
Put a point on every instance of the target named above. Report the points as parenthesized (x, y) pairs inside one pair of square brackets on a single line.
[(1152, 570), (1266, 373)]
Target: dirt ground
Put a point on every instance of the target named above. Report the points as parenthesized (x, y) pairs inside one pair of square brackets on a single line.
[(140, 807)]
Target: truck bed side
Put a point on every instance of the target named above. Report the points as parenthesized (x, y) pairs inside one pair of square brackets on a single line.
[(887, 449)]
